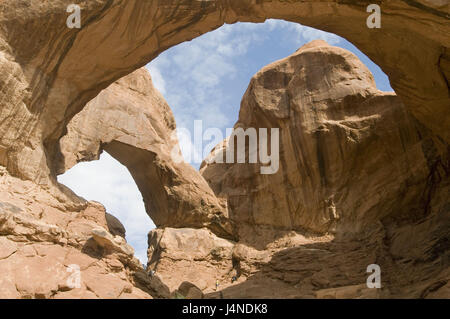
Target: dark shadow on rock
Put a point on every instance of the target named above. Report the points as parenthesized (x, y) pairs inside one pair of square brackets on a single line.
[(115, 227), (341, 264), (93, 249), (151, 284)]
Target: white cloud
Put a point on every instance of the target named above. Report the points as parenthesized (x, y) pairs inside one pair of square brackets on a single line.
[(187, 147), (302, 34), (310, 34), (157, 78)]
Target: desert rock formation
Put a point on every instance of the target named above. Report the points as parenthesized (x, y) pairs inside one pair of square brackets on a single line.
[(350, 155), (43, 243), (362, 170)]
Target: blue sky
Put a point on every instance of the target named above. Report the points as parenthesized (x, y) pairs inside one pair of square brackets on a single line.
[(203, 79)]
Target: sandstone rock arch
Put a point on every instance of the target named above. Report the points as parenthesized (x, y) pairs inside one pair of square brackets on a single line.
[(133, 123), (51, 72)]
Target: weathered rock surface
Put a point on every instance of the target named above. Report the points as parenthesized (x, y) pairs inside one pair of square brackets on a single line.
[(132, 121), (188, 290), (194, 255), (43, 244)]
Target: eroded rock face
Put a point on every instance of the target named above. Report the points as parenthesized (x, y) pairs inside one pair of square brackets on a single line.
[(132, 122), (350, 155), (49, 251)]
